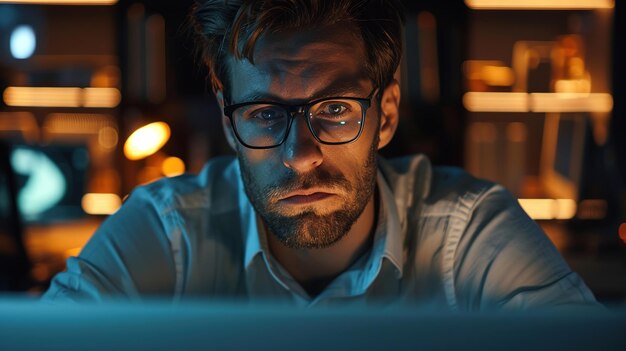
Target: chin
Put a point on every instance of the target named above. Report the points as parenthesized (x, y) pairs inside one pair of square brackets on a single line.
[(309, 230), (310, 213)]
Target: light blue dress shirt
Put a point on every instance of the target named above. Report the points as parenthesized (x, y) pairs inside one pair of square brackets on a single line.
[(443, 239)]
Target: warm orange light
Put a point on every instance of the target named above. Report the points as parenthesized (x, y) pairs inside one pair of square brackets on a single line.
[(73, 252), (539, 4), (146, 140), (61, 97), (497, 75), (101, 97), (571, 102), (105, 77), (61, 2), (107, 137), (495, 102), (537, 102), (101, 204), (538, 208), (565, 209), (42, 97), (173, 166), (549, 208), (149, 174), (572, 86), (622, 232)]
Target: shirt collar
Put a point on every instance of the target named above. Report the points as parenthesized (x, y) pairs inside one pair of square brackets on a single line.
[(388, 229), (250, 228)]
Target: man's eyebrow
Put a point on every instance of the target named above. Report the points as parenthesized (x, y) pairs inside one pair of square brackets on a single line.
[(338, 89), (333, 90)]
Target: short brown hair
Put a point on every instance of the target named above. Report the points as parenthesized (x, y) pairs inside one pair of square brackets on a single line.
[(226, 27)]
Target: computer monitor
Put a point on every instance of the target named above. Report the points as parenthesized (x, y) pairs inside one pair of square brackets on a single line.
[(14, 263), (563, 154), (51, 181)]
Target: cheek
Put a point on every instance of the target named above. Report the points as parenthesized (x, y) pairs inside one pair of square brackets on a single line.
[(253, 157), (259, 164), (352, 159), (362, 148)]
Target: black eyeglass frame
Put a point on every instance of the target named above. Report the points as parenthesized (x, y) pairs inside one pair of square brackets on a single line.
[(303, 109)]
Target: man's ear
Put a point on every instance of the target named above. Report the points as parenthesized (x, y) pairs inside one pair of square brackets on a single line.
[(389, 113), (226, 126)]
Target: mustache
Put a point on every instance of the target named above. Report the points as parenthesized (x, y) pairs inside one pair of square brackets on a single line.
[(292, 182)]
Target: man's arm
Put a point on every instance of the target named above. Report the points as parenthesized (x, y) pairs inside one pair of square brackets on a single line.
[(504, 260), (128, 256)]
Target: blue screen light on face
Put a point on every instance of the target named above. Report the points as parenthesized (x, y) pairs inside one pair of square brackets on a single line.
[(23, 42)]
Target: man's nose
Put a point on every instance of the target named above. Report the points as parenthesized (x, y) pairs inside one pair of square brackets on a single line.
[(301, 152)]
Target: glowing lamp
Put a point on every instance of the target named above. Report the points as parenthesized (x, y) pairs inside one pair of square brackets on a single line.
[(146, 140)]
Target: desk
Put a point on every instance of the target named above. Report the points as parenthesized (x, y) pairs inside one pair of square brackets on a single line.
[(226, 326)]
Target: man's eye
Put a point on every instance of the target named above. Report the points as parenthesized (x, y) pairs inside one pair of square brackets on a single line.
[(267, 114), (334, 109)]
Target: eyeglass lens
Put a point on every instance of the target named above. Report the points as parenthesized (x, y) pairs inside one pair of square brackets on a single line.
[(332, 121)]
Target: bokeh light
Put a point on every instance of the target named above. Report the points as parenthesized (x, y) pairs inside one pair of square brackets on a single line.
[(23, 42), (173, 166), (146, 140), (100, 204)]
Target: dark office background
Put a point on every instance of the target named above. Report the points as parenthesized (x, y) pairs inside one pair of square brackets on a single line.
[(482, 89)]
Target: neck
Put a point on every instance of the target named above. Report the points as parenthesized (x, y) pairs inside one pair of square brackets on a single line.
[(314, 269)]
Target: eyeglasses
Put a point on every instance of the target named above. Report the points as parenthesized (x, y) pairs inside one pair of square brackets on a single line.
[(332, 121)]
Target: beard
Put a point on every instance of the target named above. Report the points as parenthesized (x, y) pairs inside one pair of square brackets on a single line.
[(308, 229)]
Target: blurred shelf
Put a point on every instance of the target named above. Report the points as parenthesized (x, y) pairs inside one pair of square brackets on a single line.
[(58, 238), (537, 102), (49, 245)]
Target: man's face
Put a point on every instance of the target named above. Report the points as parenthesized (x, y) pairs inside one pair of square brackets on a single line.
[(308, 194)]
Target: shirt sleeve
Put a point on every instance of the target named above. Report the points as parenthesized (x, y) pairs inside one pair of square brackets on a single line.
[(505, 261), (129, 256)]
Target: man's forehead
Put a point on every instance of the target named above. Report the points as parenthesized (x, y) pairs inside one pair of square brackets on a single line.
[(301, 62), (295, 46)]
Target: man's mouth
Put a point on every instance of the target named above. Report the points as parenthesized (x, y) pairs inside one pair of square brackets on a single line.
[(303, 197)]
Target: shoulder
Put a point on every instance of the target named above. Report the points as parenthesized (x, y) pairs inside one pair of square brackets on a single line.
[(489, 253), (189, 208), (218, 181), (196, 219), (442, 190), (453, 190)]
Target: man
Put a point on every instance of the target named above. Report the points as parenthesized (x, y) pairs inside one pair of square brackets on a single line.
[(307, 213)]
